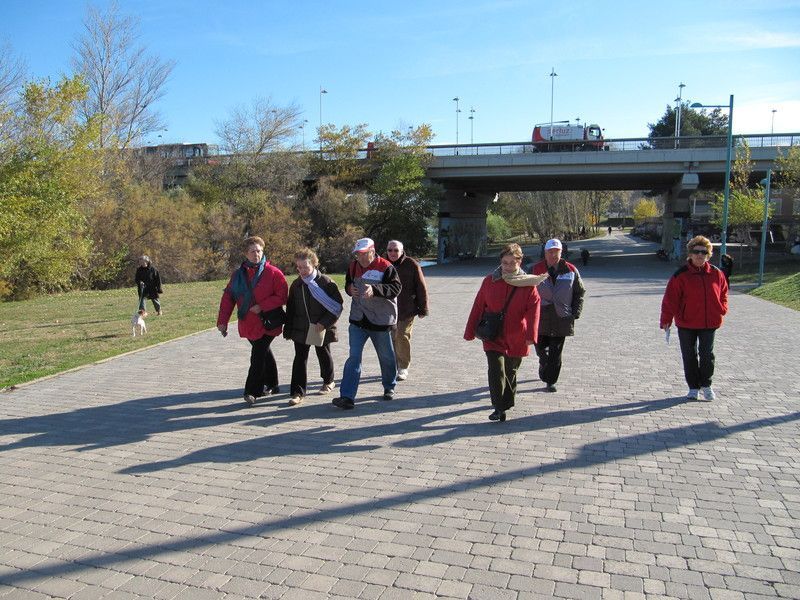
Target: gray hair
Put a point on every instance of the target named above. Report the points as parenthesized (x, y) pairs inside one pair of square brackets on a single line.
[(398, 242), (145, 258)]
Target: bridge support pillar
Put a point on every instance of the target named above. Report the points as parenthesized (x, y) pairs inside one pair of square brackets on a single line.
[(462, 224), (677, 212)]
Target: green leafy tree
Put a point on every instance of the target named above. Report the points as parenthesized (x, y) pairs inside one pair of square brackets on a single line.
[(788, 169), (497, 227), (645, 209), (693, 123), (340, 159), (48, 167)]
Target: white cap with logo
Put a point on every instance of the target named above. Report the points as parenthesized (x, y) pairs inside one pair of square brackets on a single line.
[(363, 245), (554, 243)]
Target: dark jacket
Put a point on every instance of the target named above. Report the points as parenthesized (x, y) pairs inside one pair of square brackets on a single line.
[(151, 279), (300, 300), (378, 313), (562, 298), (695, 298), (413, 298)]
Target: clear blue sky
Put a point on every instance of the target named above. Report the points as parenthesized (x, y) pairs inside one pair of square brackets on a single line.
[(395, 64)]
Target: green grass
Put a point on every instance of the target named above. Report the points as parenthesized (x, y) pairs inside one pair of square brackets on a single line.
[(775, 267), (51, 334), (785, 292)]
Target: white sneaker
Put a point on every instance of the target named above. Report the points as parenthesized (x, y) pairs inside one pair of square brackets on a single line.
[(402, 374), (295, 400), (327, 388), (250, 399), (692, 395), (708, 394)]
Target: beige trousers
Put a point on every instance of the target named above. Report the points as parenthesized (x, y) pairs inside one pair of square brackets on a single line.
[(402, 342)]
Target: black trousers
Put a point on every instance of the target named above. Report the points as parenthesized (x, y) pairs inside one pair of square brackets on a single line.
[(263, 370), (549, 349), (697, 350), (300, 364), (502, 379)]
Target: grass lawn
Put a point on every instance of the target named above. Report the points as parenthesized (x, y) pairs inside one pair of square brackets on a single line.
[(784, 291), (775, 267), (54, 333)]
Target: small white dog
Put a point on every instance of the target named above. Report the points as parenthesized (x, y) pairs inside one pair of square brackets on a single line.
[(137, 322)]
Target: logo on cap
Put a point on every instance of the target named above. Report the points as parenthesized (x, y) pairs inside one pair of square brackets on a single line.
[(554, 243), (363, 245)]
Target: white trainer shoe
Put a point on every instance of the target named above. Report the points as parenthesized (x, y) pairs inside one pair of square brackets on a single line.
[(327, 388), (402, 374), (295, 400), (708, 394), (693, 394)]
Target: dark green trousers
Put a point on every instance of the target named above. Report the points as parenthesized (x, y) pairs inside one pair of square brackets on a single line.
[(502, 379)]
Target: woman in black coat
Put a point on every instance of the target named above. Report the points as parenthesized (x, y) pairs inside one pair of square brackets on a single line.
[(148, 283), (313, 307)]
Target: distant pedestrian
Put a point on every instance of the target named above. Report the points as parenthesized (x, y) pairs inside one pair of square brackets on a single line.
[(697, 299), (609, 230), (412, 302), (258, 291), (373, 284), (148, 283), (562, 302), (511, 293), (313, 307), (726, 264), (585, 256)]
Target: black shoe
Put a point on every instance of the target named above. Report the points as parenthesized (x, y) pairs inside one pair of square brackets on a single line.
[(498, 415), (388, 394), (551, 387), (343, 403)]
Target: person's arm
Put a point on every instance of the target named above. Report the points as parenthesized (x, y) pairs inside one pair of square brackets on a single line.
[(532, 317), (390, 285), (478, 306), (578, 291), (287, 327), (226, 305), (421, 292), (723, 294), (669, 303)]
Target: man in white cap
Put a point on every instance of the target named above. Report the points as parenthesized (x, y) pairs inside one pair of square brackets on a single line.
[(561, 303), (373, 284)]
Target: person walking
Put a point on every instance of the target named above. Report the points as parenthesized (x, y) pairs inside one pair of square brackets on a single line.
[(696, 298), (507, 290), (373, 284), (562, 302), (148, 283), (256, 287), (313, 307), (412, 302)]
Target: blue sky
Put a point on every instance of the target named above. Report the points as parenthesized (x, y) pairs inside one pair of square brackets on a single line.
[(395, 64)]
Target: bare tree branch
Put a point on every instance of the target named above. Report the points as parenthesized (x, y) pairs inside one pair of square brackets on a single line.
[(259, 128)]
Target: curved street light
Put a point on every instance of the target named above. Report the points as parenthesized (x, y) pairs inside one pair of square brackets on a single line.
[(726, 195)]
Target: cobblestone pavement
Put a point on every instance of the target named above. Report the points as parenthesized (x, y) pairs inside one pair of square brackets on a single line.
[(148, 477)]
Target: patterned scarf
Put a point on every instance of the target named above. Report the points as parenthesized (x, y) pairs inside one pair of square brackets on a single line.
[(320, 296), (518, 279), (242, 289)]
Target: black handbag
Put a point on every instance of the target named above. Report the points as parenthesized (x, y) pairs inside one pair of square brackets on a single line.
[(491, 324), (272, 319)]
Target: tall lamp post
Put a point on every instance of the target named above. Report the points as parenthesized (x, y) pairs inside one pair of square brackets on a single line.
[(765, 183), (471, 125), (303, 129), (727, 193), (458, 110), (679, 100), (321, 91), (772, 124), (553, 76)]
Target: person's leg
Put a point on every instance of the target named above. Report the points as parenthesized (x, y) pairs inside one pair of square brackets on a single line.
[(541, 348), (554, 351), (706, 359), (141, 301), (254, 384), (510, 366), (402, 342), (325, 359), (496, 377), (299, 371), (691, 367), (156, 305), (270, 368), (352, 366), (382, 341)]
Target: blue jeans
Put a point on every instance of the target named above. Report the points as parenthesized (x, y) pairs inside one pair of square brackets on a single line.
[(382, 341)]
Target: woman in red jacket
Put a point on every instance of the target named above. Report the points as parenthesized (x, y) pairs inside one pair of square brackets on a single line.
[(696, 298), (510, 290), (255, 287)]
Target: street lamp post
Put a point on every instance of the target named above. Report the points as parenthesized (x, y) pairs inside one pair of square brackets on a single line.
[(679, 100), (321, 91), (471, 125), (765, 183), (458, 110), (727, 192), (772, 123), (303, 128), (553, 76)]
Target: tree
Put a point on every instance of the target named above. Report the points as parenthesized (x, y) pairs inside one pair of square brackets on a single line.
[(497, 227), (693, 123), (645, 209), (259, 128), (788, 169), (12, 73), (340, 158), (123, 80), (47, 169)]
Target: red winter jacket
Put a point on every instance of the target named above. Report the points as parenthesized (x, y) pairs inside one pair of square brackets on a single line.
[(270, 292), (695, 298), (521, 321)]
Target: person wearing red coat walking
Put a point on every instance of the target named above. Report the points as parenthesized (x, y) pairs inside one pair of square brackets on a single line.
[(255, 287), (697, 299), (510, 290)]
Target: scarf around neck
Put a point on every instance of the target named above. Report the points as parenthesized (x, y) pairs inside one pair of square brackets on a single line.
[(519, 278), (243, 289), (320, 296)]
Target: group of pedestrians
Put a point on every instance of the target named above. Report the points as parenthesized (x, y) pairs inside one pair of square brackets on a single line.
[(512, 311), (378, 287)]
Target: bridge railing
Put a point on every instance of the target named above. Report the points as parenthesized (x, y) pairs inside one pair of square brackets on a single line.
[(622, 144)]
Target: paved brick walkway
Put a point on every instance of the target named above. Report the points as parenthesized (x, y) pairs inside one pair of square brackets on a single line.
[(147, 477)]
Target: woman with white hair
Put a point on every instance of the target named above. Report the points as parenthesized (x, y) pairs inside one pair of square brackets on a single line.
[(148, 283)]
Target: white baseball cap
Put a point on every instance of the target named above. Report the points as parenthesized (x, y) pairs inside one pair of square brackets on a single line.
[(363, 245), (554, 243)]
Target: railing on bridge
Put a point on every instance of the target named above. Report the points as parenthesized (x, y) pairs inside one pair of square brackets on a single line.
[(613, 145)]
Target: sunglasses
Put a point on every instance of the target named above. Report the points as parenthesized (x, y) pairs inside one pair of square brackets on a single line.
[(393, 249), (697, 251)]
